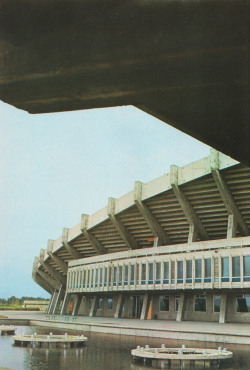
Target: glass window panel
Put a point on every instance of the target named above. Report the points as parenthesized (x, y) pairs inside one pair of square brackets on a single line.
[(100, 303), (207, 263), (164, 303), (100, 276), (217, 301), (189, 269), (243, 303), (180, 271), (246, 265), (198, 267), (165, 272), (158, 272), (110, 303), (126, 275), (120, 275), (225, 266), (143, 273), (200, 303), (115, 275), (105, 276), (236, 266), (92, 277), (132, 274), (96, 277), (150, 273)]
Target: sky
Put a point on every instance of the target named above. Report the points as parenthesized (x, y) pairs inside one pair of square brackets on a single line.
[(56, 166)]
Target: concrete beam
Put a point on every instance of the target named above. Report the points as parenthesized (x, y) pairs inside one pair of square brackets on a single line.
[(189, 212), (42, 283), (55, 274), (227, 197), (72, 251), (97, 246), (126, 236), (148, 216), (60, 263), (48, 279), (65, 303)]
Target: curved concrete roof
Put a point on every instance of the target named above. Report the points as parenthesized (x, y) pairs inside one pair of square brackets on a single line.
[(198, 197)]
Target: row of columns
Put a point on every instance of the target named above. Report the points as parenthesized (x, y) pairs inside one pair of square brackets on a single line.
[(148, 300)]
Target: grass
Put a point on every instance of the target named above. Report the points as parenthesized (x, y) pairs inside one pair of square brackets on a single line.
[(14, 307), (3, 317)]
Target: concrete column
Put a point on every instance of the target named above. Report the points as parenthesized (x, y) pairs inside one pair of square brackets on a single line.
[(93, 308), (50, 303), (181, 308), (65, 304), (155, 306), (77, 304), (145, 306), (53, 302), (119, 306), (59, 298), (223, 309)]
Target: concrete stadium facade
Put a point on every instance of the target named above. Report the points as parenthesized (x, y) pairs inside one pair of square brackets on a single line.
[(176, 248)]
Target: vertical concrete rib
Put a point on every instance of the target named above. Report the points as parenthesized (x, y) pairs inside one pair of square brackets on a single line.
[(234, 216), (95, 243), (126, 236), (196, 226), (148, 216)]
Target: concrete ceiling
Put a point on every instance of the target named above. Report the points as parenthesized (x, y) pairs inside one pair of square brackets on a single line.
[(185, 62)]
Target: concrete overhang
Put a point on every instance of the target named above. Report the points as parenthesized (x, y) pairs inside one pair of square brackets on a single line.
[(185, 62)]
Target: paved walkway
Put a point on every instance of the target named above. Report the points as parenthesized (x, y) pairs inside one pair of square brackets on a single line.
[(237, 329)]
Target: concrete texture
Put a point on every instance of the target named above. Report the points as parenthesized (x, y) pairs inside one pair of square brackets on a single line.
[(185, 62), (186, 330)]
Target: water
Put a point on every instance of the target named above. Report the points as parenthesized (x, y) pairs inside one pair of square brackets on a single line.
[(101, 351)]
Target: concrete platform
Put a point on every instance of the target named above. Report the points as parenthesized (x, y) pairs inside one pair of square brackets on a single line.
[(186, 330)]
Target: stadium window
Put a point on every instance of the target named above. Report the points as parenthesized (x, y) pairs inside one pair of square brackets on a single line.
[(200, 303), (179, 272), (188, 271), (198, 267), (207, 263), (236, 268), (246, 268), (164, 303), (110, 303), (150, 273), (225, 269), (217, 301), (243, 303)]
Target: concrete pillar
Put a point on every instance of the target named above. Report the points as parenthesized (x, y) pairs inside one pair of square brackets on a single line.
[(59, 298), (154, 307), (77, 304), (53, 301), (223, 308), (181, 308), (145, 306), (65, 304), (119, 306), (93, 308)]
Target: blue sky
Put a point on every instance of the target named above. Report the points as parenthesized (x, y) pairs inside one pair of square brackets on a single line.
[(54, 167)]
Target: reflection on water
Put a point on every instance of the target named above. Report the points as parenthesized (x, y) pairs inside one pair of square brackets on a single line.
[(102, 351)]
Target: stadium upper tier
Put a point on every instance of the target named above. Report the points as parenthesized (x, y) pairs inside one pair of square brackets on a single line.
[(192, 203)]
